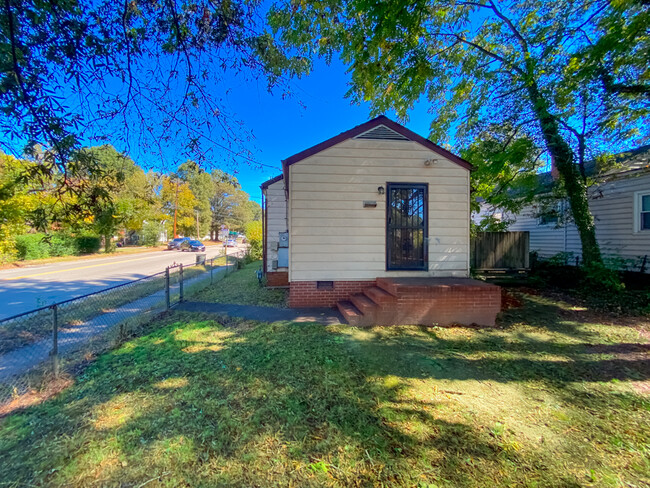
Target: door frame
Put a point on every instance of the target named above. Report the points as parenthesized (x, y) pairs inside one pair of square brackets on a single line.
[(425, 237)]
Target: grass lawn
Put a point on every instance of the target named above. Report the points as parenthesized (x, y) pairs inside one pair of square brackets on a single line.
[(243, 288), (550, 398)]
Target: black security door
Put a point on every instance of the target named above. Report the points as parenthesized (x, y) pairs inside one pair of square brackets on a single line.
[(406, 226)]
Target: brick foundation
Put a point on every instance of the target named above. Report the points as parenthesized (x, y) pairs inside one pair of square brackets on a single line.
[(306, 293), (440, 301), (406, 301), (277, 278)]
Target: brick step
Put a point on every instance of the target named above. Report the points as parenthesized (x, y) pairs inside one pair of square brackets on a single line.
[(352, 314), (387, 286), (378, 295), (365, 305)]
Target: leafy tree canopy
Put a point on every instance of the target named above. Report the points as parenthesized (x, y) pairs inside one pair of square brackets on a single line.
[(79, 71), (568, 75)]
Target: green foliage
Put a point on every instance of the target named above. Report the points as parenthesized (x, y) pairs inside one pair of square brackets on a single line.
[(254, 237), (546, 400), (31, 246), (505, 178), (243, 288), (151, 234), (230, 206), (601, 279), (16, 204), (490, 223), (120, 194), (601, 287), (87, 244), (511, 65), (38, 246), (117, 197), (59, 58)]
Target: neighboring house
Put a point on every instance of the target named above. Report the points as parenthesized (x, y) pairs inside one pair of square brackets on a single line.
[(370, 209), (619, 202)]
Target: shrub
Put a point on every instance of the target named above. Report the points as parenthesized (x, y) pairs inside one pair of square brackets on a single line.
[(32, 246), (554, 272), (254, 237), (151, 234), (61, 245), (39, 246), (87, 244), (598, 278)]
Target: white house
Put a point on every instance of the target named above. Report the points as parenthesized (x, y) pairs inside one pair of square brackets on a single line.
[(374, 208), (620, 204)]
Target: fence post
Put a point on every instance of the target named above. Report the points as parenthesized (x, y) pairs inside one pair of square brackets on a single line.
[(211, 268), (167, 296), (180, 283), (55, 340)]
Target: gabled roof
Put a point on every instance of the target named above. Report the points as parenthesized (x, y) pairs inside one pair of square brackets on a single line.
[(628, 163), (633, 160), (361, 130), (268, 183)]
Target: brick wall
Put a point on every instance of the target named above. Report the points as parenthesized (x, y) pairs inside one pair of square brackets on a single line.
[(449, 301), (451, 307), (306, 293), (277, 278)]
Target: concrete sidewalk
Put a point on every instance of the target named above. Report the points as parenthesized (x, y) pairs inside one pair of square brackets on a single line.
[(325, 316)]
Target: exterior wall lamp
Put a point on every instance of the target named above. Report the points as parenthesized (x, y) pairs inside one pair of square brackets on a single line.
[(380, 190)]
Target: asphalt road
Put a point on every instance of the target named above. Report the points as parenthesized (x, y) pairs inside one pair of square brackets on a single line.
[(23, 289)]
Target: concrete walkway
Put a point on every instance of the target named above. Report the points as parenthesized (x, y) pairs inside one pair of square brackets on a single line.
[(325, 316)]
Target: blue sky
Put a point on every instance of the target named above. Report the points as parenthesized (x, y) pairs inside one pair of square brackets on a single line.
[(285, 127)]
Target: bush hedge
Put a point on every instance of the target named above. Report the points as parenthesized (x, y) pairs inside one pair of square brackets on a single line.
[(38, 246)]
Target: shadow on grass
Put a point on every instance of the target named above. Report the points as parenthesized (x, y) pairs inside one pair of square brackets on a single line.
[(203, 404)]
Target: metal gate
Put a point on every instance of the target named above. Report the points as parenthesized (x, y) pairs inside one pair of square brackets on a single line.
[(406, 226)]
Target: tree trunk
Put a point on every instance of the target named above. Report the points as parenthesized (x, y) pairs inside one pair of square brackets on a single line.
[(574, 184), (108, 243)]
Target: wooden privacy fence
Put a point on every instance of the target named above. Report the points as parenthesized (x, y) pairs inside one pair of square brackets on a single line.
[(500, 251)]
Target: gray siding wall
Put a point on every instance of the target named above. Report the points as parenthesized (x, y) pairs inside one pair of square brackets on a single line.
[(276, 221), (613, 206)]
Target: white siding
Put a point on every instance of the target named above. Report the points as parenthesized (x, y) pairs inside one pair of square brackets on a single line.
[(612, 205), (276, 220), (333, 237), (546, 240), (614, 215)]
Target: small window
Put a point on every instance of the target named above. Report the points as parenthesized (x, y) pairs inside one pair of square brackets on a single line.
[(642, 211), (549, 218), (324, 285)]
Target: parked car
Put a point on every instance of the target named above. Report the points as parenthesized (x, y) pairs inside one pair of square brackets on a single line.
[(194, 246), (231, 243), (176, 243)]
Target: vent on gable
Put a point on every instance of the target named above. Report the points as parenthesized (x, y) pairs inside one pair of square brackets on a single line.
[(382, 132)]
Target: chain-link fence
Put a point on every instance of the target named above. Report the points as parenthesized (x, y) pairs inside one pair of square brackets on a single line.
[(38, 346)]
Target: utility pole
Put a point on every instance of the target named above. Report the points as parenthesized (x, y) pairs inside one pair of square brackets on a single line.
[(175, 209)]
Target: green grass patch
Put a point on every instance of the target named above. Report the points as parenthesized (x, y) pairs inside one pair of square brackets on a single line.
[(200, 402), (243, 288)]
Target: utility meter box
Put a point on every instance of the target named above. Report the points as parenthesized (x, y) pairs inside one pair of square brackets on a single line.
[(284, 239), (283, 257)]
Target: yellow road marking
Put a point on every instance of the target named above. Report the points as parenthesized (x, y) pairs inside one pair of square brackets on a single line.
[(75, 269)]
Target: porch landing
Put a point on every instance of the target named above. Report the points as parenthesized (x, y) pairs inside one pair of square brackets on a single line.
[(424, 301)]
